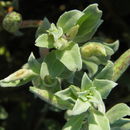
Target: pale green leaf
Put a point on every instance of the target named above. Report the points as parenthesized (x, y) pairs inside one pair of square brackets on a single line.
[(121, 124), (107, 72), (55, 67), (114, 46), (34, 65), (18, 78), (80, 107), (69, 19), (96, 100), (91, 67), (104, 86), (117, 112), (98, 121), (74, 90), (75, 122), (88, 23), (45, 40), (86, 82), (70, 57), (43, 27), (50, 98), (44, 70), (66, 95)]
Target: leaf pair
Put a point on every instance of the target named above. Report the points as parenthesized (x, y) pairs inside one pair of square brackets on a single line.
[(88, 21)]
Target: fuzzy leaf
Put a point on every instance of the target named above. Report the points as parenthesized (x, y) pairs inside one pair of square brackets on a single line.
[(45, 40), (43, 27), (121, 124), (54, 66), (97, 101), (88, 23), (107, 72), (70, 57), (86, 83), (114, 46), (80, 107), (117, 112), (91, 67), (75, 122), (18, 78), (34, 65), (98, 121), (104, 86), (50, 98), (66, 95), (69, 19)]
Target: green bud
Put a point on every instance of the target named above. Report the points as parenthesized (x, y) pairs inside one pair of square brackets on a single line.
[(12, 22), (93, 49)]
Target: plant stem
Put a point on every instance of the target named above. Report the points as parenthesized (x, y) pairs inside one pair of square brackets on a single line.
[(30, 23), (121, 64)]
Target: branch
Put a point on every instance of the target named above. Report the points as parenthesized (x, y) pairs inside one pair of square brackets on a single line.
[(31, 23), (121, 65)]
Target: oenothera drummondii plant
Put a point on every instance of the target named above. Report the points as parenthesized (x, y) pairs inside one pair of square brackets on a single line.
[(74, 72)]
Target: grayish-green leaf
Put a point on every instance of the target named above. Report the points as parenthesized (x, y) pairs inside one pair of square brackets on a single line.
[(107, 72), (86, 82), (50, 98), (80, 107), (53, 65), (18, 78), (45, 40), (121, 124), (66, 95), (69, 19), (117, 112), (114, 46), (88, 23), (75, 122), (43, 27), (74, 90), (98, 121), (91, 67), (70, 57), (104, 86), (96, 100), (34, 65)]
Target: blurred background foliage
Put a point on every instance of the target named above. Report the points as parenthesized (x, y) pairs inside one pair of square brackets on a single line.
[(21, 110)]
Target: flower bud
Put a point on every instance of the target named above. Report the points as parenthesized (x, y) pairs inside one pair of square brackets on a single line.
[(12, 22)]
